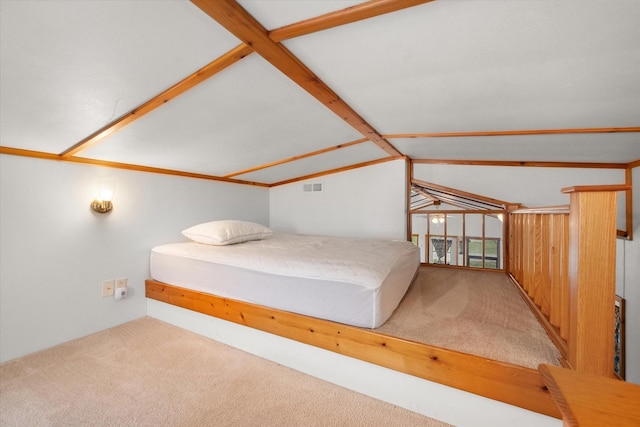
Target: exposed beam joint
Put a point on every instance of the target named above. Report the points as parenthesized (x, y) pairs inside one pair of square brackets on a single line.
[(237, 21)]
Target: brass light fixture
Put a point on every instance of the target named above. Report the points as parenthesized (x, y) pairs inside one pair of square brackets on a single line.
[(437, 218), (102, 204)]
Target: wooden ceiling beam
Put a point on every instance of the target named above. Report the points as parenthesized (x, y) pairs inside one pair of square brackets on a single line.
[(584, 165), (459, 193), (127, 166), (514, 132), (348, 15), (337, 170), (237, 21), (294, 158), (179, 88)]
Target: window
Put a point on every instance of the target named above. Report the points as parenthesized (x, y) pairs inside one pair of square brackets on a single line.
[(483, 257), (440, 254)]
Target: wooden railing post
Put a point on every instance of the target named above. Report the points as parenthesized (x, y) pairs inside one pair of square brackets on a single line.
[(592, 268)]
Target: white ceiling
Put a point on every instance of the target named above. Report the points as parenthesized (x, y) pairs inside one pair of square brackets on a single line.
[(69, 68)]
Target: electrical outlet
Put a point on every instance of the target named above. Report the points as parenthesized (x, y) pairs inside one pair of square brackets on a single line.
[(107, 288), (121, 282)]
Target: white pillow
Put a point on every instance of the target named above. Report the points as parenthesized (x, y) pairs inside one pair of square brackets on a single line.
[(226, 232)]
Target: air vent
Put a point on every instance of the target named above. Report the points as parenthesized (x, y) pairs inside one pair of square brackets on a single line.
[(312, 188)]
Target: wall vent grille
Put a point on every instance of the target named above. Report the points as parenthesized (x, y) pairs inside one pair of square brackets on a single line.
[(312, 188)]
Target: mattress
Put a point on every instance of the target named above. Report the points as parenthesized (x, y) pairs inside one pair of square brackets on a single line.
[(358, 282)]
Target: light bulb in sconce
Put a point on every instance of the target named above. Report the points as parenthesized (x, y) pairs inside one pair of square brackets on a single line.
[(103, 203)]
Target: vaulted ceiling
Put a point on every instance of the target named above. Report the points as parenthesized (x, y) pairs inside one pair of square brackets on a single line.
[(269, 91)]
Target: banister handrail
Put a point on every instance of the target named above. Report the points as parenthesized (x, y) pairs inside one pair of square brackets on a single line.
[(592, 188), (562, 209)]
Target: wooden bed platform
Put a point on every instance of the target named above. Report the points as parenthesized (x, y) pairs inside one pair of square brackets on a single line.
[(504, 382)]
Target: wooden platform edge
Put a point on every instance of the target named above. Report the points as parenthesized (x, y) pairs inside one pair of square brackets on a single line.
[(504, 382)]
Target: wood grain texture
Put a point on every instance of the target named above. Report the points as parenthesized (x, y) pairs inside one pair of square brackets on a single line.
[(592, 401), (348, 15), (489, 200), (504, 382), (511, 163), (592, 265), (569, 131), (126, 166), (564, 281), (294, 158), (539, 241), (337, 170)]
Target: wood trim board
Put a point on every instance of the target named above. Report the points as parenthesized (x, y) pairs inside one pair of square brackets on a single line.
[(505, 382)]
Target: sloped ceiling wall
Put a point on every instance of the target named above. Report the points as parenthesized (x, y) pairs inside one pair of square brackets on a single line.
[(269, 91)]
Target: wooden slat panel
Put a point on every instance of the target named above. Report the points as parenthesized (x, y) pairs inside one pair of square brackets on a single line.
[(592, 264), (529, 266), (536, 283), (564, 281), (522, 248), (513, 250), (545, 255), (500, 381), (520, 260), (519, 221), (541, 270), (555, 269), (521, 252)]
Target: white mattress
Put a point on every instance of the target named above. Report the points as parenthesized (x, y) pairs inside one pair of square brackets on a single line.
[(354, 281)]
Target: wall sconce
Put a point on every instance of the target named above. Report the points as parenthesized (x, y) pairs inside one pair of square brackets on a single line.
[(102, 203)]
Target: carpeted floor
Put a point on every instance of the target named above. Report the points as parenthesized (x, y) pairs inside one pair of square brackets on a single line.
[(474, 312), (149, 373)]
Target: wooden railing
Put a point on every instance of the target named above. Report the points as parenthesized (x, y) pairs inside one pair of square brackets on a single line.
[(538, 261), (563, 260)]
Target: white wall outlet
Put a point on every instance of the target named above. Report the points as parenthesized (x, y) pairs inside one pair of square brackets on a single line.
[(107, 288), (121, 282), (120, 293)]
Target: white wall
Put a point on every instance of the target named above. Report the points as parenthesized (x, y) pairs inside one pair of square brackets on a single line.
[(55, 252), (364, 202), (631, 288)]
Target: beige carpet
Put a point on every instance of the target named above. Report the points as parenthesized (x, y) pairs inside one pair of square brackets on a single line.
[(149, 373), (474, 312)]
